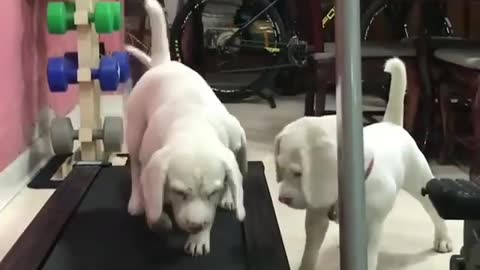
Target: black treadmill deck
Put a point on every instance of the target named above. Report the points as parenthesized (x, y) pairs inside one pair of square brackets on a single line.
[(100, 234)]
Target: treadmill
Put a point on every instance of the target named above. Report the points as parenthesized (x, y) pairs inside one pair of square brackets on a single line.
[(85, 225)]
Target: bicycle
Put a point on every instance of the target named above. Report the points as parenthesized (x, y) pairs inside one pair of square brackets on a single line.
[(271, 43), (401, 19)]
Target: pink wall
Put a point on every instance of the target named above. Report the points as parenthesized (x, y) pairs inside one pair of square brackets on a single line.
[(24, 51)]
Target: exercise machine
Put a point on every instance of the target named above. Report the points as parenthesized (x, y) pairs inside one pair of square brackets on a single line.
[(459, 200), (85, 223)]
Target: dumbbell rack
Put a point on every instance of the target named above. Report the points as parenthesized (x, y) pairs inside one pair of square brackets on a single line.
[(89, 90), (89, 18)]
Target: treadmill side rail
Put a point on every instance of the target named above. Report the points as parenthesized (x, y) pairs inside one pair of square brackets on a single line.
[(33, 246)]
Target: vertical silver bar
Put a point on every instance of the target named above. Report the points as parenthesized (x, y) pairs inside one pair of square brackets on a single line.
[(353, 231)]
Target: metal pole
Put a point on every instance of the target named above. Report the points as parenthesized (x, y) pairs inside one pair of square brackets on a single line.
[(353, 231)]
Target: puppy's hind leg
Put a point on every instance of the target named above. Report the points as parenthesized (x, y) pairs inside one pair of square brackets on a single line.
[(442, 241), (380, 197), (375, 228)]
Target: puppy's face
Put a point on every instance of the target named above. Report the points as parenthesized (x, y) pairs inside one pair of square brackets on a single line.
[(290, 177), (306, 171), (194, 189)]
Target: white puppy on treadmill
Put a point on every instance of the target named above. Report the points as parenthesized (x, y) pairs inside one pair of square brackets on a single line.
[(306, 165), (185, 147)]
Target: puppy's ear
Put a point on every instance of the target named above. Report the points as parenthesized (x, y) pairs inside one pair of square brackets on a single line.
[(276, 152), (319, 174), (153, 178), (241, 155), (234, 182)]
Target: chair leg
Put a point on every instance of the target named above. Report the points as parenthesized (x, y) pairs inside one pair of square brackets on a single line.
[(475, 162), (315, 96), (320, 99), (311, 90), (412, 99), (427, 97), (447, 145)]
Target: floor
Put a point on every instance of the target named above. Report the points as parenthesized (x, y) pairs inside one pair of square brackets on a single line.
[(407, 240)]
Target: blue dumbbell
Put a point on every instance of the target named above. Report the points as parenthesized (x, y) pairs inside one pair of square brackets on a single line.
[(62, 71), (123, 59)]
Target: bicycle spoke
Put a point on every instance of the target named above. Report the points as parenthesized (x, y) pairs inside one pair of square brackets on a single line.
[(245, 26)]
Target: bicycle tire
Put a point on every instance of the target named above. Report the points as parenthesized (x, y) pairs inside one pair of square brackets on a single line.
[(232, 95), (375, 7)]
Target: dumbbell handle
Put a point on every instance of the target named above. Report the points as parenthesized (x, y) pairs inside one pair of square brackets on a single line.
[(72, 75), (97, 134), (72, 57), (95, 73)]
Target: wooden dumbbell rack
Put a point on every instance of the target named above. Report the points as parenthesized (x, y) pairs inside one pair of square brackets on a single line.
[(88, 50), (89, 90)]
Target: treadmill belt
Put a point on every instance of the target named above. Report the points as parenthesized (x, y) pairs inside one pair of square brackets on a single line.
[(102, 235)]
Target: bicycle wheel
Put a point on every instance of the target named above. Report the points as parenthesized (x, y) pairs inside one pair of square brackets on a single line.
[(238, 44), (392, 20)]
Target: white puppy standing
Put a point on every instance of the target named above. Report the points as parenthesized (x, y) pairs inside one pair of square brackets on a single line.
[(185, 148), (306, 165)]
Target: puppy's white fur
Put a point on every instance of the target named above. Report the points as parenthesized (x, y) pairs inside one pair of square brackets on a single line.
[(185, 148), (306, 166)]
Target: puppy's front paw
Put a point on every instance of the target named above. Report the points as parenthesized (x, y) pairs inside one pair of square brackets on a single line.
[(198, 244), (135, 206), (443, 244), (227, 201)]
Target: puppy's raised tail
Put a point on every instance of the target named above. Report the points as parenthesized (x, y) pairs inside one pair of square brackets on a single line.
[(139, 54), (398, 88), (158, 25)]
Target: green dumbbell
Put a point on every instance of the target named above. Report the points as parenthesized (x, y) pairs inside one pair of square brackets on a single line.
[(107, 17), (118, 18), (60, 17)]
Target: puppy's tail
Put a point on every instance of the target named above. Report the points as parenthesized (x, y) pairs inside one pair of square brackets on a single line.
[(139, 54), (158, 25), (398, 88)]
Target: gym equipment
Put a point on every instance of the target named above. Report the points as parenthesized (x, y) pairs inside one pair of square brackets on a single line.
[(86, 66), (123, 60), (62, 134), (460, 200), (454, 199), (85, 225), (107, 17), (62, 71), (121, 57)]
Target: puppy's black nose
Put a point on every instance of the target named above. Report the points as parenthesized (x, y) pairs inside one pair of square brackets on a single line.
[(285, 200), (194, 227)]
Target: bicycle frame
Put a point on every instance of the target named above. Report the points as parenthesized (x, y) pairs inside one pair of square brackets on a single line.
[(325, 22)]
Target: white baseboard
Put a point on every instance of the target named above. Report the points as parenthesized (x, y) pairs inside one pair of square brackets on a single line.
[(17, 175)]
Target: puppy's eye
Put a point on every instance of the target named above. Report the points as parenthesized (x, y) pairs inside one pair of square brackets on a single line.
[(297, 174), (181, 194), (212, 194)]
